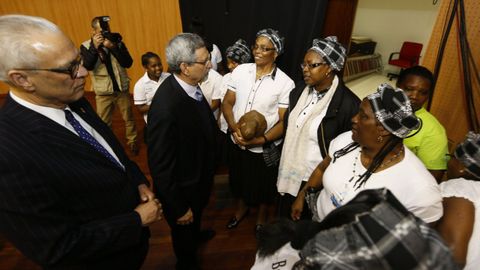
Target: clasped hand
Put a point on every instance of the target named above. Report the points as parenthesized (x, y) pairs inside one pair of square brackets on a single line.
[(150, 210), (237, 136), (186, 219)]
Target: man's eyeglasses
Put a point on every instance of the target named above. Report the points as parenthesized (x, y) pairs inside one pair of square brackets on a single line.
[(311, 66), (201, 63), (72, 69), (261, 48), (204, 63)]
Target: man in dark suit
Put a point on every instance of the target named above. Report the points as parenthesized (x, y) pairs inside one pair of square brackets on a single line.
[(69, 196), (181, 146)]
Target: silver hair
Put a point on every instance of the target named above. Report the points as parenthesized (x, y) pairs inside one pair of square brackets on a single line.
[(16, 50), (181, 49)]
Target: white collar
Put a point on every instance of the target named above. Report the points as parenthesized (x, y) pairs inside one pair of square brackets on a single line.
[(56, 115), (147, 79), (189, 89)]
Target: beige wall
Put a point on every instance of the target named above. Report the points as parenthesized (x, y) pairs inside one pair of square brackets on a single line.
[(390, 22), (146, 25)]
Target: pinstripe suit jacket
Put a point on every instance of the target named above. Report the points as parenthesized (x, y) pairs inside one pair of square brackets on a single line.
[(62, 203)]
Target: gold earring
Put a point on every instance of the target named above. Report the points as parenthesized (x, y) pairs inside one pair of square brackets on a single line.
[(379, 139)]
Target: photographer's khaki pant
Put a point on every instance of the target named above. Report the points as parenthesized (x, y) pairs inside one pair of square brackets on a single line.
[(106, 105)]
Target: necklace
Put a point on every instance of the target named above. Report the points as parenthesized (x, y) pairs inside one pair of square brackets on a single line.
[(338, 197), (385, 163), (355, 166)]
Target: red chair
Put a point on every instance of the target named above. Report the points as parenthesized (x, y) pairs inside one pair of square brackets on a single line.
[(407, 57)]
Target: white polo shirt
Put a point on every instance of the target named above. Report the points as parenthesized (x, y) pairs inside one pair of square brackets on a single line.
[(265, 95), (216, 79), (216, 56), (225, 81), (145, 89), (212, 88)]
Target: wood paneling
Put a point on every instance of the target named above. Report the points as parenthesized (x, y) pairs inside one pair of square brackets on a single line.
[(145, 25), (339, 20), (449, 103)]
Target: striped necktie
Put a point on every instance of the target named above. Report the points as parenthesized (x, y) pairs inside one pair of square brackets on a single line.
[(198, 94), (84, 135)]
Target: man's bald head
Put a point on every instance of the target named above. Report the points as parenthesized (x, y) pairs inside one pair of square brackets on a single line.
[(20, 46)]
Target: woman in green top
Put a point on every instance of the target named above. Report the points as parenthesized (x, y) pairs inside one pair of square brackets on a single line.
[(429, 143)]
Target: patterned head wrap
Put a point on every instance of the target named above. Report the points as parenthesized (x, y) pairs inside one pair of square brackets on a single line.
[(275, 37), (331, 51), (393, 110), (386, 236), (239, 52), (468, 153)]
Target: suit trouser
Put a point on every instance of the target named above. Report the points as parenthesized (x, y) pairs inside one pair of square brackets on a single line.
[(131, 258), (105, 106), (185, 239)]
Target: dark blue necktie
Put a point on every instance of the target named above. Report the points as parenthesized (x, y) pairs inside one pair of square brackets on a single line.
[(198, 94), (84, 135)]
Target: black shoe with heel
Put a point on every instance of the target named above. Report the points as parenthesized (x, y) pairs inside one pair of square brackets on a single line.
[(233, 222), (258, 229)]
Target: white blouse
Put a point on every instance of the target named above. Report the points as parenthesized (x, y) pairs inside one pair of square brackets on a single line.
[(469, 190), (265, 95)]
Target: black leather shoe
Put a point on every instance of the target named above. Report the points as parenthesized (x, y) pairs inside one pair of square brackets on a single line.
[(258, 229), (233, 222), (205, 235)]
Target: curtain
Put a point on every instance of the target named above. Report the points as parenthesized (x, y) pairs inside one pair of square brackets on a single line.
[(225, 21)]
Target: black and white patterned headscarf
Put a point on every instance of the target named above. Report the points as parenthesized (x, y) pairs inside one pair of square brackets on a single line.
[(331, 51), (275, 37), (387, 236), (468, 153), (239, 52), (393, 110)]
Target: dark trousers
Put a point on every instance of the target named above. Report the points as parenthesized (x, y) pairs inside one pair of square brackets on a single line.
[(130, 258), (185, 240)]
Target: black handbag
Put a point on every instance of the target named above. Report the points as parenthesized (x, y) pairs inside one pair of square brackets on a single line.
[(271, 154)]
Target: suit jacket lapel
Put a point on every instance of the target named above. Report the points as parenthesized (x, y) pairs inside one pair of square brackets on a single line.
[(51, 133)]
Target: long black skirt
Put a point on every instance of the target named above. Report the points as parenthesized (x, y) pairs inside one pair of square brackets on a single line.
[(250, 178)]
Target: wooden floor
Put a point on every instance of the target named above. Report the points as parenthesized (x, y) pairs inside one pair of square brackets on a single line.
[(230, 249)]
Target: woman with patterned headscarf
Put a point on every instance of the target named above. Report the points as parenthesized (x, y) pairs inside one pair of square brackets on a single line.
[(320, 109), (460, 225), (263, 87), (237, 54), (371, 156)]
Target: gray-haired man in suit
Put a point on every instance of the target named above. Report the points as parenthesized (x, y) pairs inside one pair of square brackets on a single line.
[(69, 196), (181, 145)]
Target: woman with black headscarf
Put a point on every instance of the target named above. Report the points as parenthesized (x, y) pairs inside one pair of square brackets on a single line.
[(319, 110), (372, 156)]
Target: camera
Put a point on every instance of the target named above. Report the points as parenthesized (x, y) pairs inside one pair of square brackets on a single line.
[(113, 37)]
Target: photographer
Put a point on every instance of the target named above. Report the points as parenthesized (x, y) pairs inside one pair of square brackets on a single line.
[(106, 58)]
